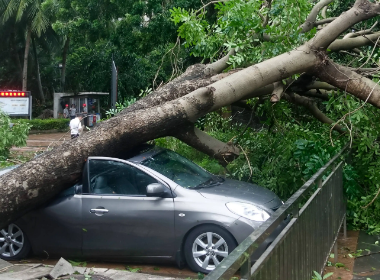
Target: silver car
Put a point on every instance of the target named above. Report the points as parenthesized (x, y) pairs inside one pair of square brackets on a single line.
[(152, 206)]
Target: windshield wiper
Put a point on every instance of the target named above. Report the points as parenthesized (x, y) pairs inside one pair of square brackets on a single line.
[(209, 183)]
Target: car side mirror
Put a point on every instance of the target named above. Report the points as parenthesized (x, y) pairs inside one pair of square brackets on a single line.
[(156, 190)]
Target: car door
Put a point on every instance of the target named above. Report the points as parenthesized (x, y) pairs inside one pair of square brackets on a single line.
[(119, 220), (55, 228)]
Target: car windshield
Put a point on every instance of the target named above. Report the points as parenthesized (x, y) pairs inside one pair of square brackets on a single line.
[(181, 170)]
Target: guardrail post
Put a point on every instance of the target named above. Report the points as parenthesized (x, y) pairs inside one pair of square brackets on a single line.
[(319, 183), (245, 270), (345, 227)]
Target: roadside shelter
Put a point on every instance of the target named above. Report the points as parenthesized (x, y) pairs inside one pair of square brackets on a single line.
[(91, 99)]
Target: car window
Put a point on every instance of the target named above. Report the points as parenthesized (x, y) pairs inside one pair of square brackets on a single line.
[(109, 177), (179, 169)]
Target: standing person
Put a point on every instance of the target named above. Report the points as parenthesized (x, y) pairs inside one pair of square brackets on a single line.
[(66, 111), (73, 111), (75, 126), (84, 109)]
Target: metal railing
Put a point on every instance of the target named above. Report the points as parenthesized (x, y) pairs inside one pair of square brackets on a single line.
[(303, 246)]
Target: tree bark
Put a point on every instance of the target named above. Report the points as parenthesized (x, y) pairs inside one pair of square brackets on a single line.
[(64, 59), (223, 152), (40, 91), (16, 54), (26, 56), (349, 81)]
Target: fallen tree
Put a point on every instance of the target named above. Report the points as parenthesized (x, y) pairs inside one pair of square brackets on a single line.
[(172, 109)]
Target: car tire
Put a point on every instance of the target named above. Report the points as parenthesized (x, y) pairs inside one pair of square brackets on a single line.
[(206, 246), (14, 245)]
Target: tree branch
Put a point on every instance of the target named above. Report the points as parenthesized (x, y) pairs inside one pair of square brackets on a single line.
[(193, 79), (311, 19), (324, 21), (224, 153), (359, 33), (310, 105), (267, 4), (278, 91), (323, 13), (352, 43), (322, 94), (209, 3), (345, 79), (362, 10), (319, 85), (219, 65)]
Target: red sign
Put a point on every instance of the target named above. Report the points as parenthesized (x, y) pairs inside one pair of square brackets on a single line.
[(14, 94)]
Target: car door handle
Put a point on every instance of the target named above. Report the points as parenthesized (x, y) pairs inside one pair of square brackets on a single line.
[(99, 211)]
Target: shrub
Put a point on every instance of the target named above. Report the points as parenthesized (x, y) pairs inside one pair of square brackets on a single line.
[(47, 124), (11, 136)]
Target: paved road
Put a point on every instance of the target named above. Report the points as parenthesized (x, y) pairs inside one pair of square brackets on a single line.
[(368, 266)]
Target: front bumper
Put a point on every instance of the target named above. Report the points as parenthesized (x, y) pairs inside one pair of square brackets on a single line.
[(243, 227)]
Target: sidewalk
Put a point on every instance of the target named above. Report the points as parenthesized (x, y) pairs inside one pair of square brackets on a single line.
[(10, 271), (41, 142)]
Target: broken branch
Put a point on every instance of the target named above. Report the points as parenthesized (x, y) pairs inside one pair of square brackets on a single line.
[(310, 105)]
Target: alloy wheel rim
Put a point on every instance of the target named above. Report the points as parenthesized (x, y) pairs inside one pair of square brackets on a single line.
[(11, 241), (209, 249)]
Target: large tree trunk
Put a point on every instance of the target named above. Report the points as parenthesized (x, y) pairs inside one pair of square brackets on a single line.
[(64, 58), (26, 56), (40, 91), (15, 54), (172, 110)]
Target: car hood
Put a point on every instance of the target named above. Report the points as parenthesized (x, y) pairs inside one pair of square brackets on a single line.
[(233, 190)]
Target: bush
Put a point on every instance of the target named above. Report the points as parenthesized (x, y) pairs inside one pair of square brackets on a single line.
[(47, 124), (11, 136)]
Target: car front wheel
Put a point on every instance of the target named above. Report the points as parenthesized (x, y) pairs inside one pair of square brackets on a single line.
[(13, 243), (206, 246)]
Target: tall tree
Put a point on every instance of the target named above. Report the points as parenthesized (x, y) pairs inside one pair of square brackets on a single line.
[(283, 72), (36, 20)]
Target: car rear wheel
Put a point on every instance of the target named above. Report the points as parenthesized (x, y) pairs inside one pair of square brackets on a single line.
[(13, 243), (206, 246)]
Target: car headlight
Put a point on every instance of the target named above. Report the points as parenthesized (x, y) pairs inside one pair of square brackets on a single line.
[(248, 211)]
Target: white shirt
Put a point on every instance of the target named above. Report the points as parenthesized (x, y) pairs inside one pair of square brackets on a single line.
[(75, 126)]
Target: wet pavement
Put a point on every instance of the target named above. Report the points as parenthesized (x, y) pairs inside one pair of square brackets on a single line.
[(167, 270), (41, 271), (367, 266)]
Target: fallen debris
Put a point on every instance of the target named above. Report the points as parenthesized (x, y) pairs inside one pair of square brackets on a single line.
[(4, 264), (62, 268)]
